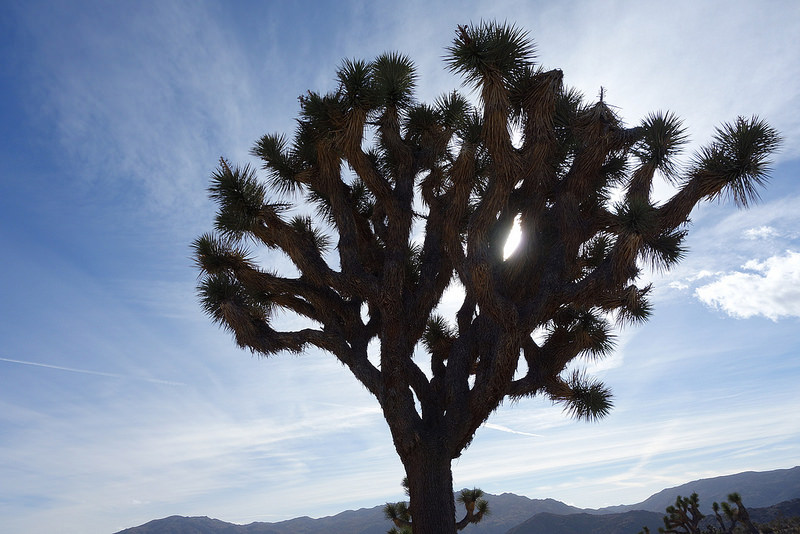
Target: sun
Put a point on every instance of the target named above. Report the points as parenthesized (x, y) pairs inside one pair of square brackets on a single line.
[(514, 237)]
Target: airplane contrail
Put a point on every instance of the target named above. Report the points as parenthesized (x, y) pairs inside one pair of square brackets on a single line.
[(96, 373), (511, 430)]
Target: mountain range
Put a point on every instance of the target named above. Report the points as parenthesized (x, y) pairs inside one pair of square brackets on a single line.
[(766, 495), (632, 522)]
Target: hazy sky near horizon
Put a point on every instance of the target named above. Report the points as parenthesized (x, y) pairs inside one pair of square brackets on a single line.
[(121, 403)]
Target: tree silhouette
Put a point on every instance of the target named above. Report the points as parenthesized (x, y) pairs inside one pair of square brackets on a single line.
[(734, 514), (412, 199), (683, 517)]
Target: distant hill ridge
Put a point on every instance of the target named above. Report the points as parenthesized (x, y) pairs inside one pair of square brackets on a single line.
[(632, 522), (758, 489), (515, 514)]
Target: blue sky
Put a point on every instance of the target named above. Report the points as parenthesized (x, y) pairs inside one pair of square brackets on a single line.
[(120, 402)]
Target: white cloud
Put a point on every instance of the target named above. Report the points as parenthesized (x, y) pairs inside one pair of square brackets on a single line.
[(702, 274), (770, 288), (762, 232), (680, 286), (723, 239)]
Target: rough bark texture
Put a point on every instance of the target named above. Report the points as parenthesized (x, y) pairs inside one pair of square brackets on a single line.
[(430, 484), (429, 205)]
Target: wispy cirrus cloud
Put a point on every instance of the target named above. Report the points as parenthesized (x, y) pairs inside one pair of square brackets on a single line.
[(90, 372), (628, 461), (247, 459), (160, 93)]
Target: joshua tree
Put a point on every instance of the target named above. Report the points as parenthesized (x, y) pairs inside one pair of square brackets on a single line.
[(412, 199), (683, 517), (737, 514), (477, 507)]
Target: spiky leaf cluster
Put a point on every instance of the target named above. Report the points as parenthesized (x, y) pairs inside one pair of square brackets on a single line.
[(738, 157), (476, 506)]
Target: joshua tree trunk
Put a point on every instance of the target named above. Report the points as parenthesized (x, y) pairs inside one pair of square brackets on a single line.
[(420, 435), (430, 484)]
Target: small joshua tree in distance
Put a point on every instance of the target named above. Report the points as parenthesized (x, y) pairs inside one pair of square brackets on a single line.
[(684, 517)]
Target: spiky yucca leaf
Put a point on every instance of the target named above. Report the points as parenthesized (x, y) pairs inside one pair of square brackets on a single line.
[(220, 291), (469, 496), (272, 149), (355, 84), (569, 104), (438, 334), (395, 78), (488, 49), (322, 204), (240, 196), (593, 334), (632, 307), (214, 254), (471, 128), (738, 159), (664, 137), (304, 145), (453, 108), (726, 509), (396, 511), (422, 119), (362, 197), (595, 250), (637, 216), (325, 114), (304, 226), (589, 399), (665, 250), (615, 169), (522, 84)]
